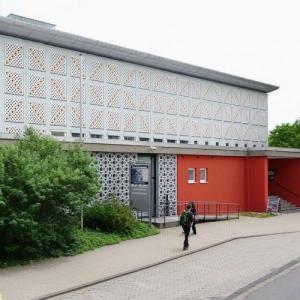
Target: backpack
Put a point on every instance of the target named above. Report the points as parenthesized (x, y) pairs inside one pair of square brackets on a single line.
[(183, 218)]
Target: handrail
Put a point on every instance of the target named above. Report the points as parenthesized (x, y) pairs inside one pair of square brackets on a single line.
[(286, 189), (213, 208)]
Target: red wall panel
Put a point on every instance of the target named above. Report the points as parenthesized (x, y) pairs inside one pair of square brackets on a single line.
[(230, 180), (257, 183)]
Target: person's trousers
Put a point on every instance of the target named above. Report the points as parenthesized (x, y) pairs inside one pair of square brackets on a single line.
[(194, 228), (186, 230)]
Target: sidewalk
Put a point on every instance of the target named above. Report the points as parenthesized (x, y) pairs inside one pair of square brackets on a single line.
[(54, 275)]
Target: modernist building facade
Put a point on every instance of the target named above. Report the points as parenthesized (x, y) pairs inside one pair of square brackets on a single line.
[(202, 133)]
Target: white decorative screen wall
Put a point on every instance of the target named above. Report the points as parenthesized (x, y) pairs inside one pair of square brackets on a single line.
[(167, 184), (113, 170), (123, 98)]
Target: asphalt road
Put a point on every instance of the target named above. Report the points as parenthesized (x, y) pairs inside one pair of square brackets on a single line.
[(284, 287), (215, 273)]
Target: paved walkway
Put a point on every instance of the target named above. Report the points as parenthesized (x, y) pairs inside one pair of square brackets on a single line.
[(54, 275), (222, 272)]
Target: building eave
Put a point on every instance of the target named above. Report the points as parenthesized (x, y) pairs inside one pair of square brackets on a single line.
[(62, 39)]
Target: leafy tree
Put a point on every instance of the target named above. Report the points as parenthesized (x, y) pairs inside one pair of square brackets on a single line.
[(286, 135), (42, 189)]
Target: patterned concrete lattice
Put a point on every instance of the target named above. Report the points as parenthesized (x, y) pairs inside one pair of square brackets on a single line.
[(37, 59), (14, 55), (167, 181), (52, 73), (58, 63), (114, 174), (14, 111), (13, 83), (37, 86)]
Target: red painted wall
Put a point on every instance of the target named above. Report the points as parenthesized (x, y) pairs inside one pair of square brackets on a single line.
[(230, 180), (287, 179), (257, 183)]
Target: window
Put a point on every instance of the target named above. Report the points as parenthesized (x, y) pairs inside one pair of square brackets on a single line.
[(57, 133), (76, 134), (195, 142), (236, 145), (128, 138), (96, 136), (254, 146), (227, 144), (157, 140), (142, 139), (206, 143), (113, 137), (171, 141), (183, 142), (191, 175), (217, 143), (246, 145), (203, 175)]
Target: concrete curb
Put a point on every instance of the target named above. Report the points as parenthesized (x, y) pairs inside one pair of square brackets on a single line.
[(85, 285)]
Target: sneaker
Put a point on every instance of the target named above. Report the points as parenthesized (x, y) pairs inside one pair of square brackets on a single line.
[(185, 248)]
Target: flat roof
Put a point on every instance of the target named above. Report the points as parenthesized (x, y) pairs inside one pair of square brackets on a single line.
[(34, 32), (120, 146)]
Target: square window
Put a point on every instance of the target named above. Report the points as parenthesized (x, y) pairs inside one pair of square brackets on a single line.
[(191, 175), (157, 140), (171, 141), (203, 175)]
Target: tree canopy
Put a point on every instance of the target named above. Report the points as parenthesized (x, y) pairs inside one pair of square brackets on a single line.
[(42, 189), (286, 135)]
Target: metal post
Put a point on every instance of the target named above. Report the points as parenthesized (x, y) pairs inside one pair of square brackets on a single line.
[(227, 211), (80, 102), (164, 215), (80, 122)]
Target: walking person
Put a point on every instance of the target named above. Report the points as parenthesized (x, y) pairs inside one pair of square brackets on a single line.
[(194, 212), (186, 220)]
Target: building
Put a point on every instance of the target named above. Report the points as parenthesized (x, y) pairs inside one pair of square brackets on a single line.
[(157, 127)]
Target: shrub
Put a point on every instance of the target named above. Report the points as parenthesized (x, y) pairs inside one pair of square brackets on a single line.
[(42, 188), (109, 216)]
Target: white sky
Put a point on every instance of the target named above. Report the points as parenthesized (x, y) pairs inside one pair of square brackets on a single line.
[(256, 39)]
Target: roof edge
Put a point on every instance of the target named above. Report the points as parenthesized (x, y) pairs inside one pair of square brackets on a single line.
[(70, 41)]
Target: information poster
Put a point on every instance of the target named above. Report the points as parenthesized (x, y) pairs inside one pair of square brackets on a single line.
[(140, 174)]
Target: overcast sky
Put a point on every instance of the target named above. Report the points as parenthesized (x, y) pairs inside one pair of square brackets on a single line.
[(257, 39)]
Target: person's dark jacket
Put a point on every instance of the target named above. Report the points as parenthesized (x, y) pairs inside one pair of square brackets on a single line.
[(190, 218)]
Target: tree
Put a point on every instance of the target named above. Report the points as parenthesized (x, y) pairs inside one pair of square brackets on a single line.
[(42, 189), (286, 135)]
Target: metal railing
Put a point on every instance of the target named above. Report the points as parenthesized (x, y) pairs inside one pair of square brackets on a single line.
[(212, 210)]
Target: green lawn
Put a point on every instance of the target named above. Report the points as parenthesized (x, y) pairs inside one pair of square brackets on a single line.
[(257, 215)]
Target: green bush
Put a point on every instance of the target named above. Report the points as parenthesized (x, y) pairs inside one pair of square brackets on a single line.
[(42, 189), (109, 216)]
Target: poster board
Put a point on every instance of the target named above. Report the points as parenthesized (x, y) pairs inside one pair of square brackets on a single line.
[(273, 204)]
